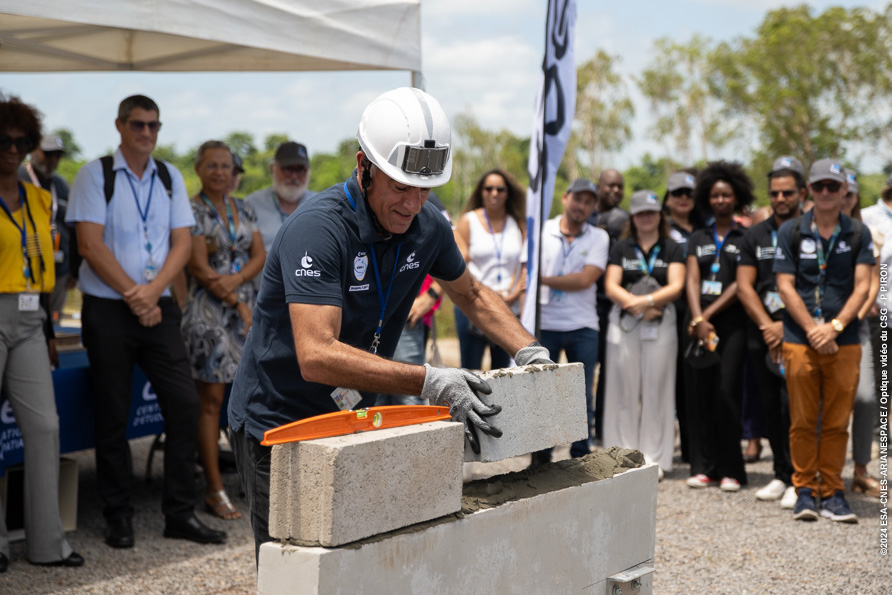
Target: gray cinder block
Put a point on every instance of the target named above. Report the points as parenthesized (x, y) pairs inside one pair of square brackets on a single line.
[(332, 491), (542, 406)]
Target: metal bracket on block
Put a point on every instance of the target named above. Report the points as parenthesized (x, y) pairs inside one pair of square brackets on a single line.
[(637, 580)]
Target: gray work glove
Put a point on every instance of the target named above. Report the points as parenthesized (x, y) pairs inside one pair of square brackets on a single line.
[(533, 353), (456, 388)]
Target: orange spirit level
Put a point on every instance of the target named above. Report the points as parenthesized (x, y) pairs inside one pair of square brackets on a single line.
[(351, 422)]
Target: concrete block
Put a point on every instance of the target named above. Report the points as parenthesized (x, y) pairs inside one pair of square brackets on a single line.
[(567, 541), (542, 407), (333, 491)]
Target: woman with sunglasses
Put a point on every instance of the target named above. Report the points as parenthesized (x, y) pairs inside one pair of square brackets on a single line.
[(645, 274), (490, 235), (27, 277), (227, 252), (718, 325)]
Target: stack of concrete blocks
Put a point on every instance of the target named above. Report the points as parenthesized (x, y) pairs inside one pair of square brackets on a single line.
[(326, 494)]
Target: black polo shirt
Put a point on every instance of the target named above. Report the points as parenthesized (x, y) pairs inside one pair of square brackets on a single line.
[(624, 255), (322, 255), (840, 281), (757, 250), (702, 245)]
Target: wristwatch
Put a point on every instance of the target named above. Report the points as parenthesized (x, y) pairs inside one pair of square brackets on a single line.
[(432, 293), (837, 325)]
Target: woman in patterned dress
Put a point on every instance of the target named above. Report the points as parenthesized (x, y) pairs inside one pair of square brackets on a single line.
[(227, 253)]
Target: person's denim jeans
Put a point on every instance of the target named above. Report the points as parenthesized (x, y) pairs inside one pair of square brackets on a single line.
[(471, 346), (580, 346)]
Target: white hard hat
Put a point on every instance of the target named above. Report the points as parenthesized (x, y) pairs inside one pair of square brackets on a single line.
[(405, 133)]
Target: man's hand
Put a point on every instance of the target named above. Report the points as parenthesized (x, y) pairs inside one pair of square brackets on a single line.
[(829, 348), (702, 330), (142, 298), (456, 388), (53, 353), (421, 306), (533, 353), (820, 335), (773, 334), (152, 317)]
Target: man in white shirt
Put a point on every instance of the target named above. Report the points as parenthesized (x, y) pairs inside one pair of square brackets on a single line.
[(574, 256)]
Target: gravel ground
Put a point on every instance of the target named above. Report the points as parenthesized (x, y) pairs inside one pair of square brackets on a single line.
[(708, 541)]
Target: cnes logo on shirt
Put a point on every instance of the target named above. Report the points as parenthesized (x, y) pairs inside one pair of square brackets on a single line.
[(307, 271), (410, 263)]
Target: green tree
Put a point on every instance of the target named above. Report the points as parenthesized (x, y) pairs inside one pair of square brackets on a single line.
[(809, 84), (603, 122), (72, 149), (241, 143), (688, 113)]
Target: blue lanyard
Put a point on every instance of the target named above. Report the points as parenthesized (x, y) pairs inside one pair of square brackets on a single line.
[(23, 231), (716, 265), (144, 215), (496, 244), (216, 216), (774, 239), (647, 266), (382, 297), (822, 261)]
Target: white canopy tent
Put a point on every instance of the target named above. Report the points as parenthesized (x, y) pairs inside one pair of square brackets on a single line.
[(209, 35)]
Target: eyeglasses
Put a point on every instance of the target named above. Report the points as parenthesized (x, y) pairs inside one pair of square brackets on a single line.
[(678, 193), (138, 125), (786, 193), (498, 189), (818, 187), (22, 143)]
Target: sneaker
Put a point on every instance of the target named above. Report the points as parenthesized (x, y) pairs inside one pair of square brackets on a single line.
[(729, 484), (773, 491), (701, 481), (837, 509), (805, 509), (788, 501)]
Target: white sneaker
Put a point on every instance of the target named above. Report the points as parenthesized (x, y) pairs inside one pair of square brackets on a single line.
[(789, 498), (729, 484), (773, 491)]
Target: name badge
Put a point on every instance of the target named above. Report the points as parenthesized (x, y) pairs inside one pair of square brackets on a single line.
[(819, 320), (773, 302), (29, 302), (58, 256), (346, 398), (150, 272), (650, 331), (711, 288)]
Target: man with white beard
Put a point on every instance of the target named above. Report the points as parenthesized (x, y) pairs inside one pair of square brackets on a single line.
[(273, 205)]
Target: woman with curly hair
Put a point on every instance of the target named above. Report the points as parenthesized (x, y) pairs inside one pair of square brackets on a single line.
[(490, 235), (718, 327), (27, 343)]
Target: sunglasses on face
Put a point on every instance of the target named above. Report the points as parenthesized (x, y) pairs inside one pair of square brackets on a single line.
[(138, 125), (786, 193), (22, 143), (681, 192), (818, 187), (498, 189)]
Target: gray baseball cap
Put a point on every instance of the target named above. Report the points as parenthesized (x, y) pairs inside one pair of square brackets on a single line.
[(583, 185), (644, 201), (852, 179), (826, 169), (51, 142), (680, 179), (787, 162)]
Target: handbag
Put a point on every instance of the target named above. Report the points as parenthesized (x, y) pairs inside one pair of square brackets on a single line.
[(643, 286), (699, 357)]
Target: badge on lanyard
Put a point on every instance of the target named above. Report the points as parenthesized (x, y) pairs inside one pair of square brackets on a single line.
[(29, 302), (773, 302), (650, 331), (711, 288), (346, 398)]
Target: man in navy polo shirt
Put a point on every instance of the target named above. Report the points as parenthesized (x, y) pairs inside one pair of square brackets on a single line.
[(823, 285), (345, 270), (757, 291)]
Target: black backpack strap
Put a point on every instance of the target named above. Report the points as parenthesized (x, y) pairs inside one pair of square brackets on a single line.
[(108, 175), (164, 174)]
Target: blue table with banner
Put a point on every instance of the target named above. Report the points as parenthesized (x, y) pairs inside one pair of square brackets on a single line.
[(74, 402)]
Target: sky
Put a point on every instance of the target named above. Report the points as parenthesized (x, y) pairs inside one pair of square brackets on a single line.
[(478, 56)]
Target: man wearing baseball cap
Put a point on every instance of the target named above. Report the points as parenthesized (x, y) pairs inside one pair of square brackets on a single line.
[(290, 170), (822, 262), (40, 170)]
